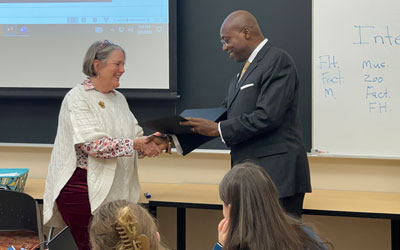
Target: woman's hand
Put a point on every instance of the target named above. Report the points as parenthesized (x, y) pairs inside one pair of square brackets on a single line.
[(146, 147), (150, 148), (163, 142), (223, 227), (152, 145)]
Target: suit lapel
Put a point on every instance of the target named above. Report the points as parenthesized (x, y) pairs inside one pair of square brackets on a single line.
[(234, 87), (232, 90)]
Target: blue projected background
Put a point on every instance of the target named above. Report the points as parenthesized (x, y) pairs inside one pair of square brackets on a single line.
[(44, 41), (84, 12)]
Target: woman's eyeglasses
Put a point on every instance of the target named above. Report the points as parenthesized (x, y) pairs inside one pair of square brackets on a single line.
[(104, 44)]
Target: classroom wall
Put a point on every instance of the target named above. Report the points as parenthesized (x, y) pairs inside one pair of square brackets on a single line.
[(209, 167)]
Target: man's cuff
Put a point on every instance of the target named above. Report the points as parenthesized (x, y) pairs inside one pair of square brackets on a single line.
[(220, 132), (177, 145), (217, 246)]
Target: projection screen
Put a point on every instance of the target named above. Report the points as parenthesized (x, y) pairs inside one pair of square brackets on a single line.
[(43, 42)]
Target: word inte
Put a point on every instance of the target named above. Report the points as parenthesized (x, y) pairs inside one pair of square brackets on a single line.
[(370, 35)]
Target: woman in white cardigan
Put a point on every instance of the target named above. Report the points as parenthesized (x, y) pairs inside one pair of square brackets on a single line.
[(98, 141)]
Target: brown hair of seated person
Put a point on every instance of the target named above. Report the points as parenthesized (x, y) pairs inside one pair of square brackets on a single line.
[(118, 225), (256, 220)]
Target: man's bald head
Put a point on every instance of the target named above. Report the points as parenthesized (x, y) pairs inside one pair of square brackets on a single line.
[(240, 34), (240, 19)]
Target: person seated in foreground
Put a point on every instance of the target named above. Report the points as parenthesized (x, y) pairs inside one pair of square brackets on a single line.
[(122, 225), (254, 218)]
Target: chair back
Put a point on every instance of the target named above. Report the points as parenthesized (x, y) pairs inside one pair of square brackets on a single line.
[(20, 212)]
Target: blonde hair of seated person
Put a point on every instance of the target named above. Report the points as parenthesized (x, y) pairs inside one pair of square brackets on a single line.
[(119, 225)]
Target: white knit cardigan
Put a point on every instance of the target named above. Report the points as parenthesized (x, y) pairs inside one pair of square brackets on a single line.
[(87, 115)]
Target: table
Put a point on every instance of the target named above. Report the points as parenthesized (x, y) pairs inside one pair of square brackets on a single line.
[(35, 188), (205, 196), (319, 202)]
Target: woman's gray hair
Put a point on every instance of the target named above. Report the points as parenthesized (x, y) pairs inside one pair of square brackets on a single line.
[(99, 50)]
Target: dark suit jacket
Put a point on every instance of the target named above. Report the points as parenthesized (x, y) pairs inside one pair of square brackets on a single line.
[(262, 122)]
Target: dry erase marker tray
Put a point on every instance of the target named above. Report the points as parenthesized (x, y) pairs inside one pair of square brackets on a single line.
[(13, 178)]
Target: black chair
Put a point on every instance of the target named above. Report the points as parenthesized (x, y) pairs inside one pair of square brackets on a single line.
[(19, 212), (62, 241)]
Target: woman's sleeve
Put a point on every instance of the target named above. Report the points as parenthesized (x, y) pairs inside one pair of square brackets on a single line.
[(107, 147), (218, 246)]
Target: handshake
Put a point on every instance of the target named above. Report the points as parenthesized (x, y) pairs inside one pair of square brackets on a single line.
[(152, 145)]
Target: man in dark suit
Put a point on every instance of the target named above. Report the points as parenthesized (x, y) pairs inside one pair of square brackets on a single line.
[(262, 122)]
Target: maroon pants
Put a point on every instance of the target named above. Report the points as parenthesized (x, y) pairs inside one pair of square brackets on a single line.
[(73, 204)]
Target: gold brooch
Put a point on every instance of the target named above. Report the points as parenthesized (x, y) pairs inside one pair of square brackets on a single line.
[(101, 104)]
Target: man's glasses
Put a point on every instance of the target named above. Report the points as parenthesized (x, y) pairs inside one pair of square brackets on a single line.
[(225, 42)]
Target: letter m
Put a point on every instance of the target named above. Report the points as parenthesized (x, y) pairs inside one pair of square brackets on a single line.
[(329, 92), (367, 64)]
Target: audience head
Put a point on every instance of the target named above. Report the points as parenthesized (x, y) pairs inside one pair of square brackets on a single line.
[(255, 218), (240, 35), (120, 224), (100, 51)]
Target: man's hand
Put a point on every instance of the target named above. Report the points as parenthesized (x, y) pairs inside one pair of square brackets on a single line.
[(201, 126)]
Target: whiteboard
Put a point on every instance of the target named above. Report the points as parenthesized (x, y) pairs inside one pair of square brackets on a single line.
[(356, 78)]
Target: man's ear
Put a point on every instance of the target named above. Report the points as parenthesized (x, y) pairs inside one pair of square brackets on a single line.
[(246, 32)]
